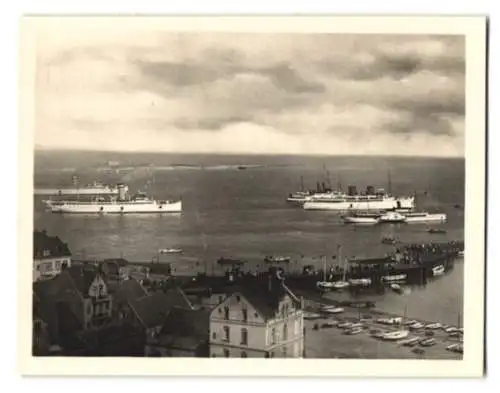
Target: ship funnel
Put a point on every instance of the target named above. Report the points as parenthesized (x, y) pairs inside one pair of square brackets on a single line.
[(370, 190), (122, 191), (351, 190)]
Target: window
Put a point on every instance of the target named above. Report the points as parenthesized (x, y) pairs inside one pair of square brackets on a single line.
[(244, 337), (285, 332), (221, 299), (214, 336), (58, 265), (285, 352), (273, 336), (243, 354), (226, 333), (238, 298), (245, 314), (226, 312), (226, 353)]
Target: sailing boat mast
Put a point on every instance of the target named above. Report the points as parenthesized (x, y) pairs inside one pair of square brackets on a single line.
[(389, 185), (301, 183), (339, 182)]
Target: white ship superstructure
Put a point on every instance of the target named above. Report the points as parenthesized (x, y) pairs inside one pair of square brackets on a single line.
[(96, 188), (139, 203), (351, 201)]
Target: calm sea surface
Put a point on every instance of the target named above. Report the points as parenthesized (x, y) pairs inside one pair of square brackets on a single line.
[(244, 214)]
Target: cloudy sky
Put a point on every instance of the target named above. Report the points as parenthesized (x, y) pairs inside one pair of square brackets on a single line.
[(251, 93)]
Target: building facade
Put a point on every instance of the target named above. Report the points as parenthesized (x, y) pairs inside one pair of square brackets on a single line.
[(50, 255), (258, 323)]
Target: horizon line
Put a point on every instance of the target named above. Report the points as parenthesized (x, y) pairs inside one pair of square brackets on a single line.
[(62, 150)]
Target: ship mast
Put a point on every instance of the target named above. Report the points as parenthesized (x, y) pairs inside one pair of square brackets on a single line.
[(389, 185)]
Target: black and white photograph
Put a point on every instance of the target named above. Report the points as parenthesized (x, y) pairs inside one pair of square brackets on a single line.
[(263, 193)]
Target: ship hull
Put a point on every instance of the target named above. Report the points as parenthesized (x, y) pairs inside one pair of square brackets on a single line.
[(360, 220), (116, 208), (387, 204), (427, 218)]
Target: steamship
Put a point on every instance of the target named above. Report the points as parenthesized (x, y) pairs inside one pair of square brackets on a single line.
[(96, 188), (123, 204), (352, 200)]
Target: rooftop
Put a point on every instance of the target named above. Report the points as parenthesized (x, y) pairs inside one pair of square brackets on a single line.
[(45, 246), (153, 309)]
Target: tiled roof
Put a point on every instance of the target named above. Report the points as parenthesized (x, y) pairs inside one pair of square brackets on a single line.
[(263, 297), (45, 246), (128, 290), (184, 322), (153, 309)]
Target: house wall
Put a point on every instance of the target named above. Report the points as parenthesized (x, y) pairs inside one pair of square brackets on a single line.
[(263, 337), (48, 267)]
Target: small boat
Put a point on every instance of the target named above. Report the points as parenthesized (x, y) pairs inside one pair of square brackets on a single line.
[(410, 322), (418, 351), (391, 217), (458, 348), (456, 333), (344, 325), (356, 325), (332, 310), (396, 288), (324, 285), (416, 217), (340, 284), (417, 326), (428, 342), (396, 335), (395, 277), (277, 259), (355, 330), (390, 321), (438, 270), (361, 218), (360, 282), (434, 326), (170, 251), (409, 342), (436, 231)]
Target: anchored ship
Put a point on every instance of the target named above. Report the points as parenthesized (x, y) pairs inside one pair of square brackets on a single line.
[(352, 200), (139, 203), (96, 188)]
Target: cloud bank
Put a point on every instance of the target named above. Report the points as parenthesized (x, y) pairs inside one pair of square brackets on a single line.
[(252, 93)]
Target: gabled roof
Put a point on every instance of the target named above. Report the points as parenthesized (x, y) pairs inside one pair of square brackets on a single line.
[(153, 309), (45, 246), (81, 277), (265, 297)]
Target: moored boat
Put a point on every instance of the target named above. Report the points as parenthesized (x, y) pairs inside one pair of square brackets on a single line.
[(438, 270), (170, 251), (396, 335), (394, 278), (428, 342), (416, 217), (360, 281), (123, 204)]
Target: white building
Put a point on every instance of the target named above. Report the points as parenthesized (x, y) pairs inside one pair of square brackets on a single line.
[(261, 322), (50, 253)]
